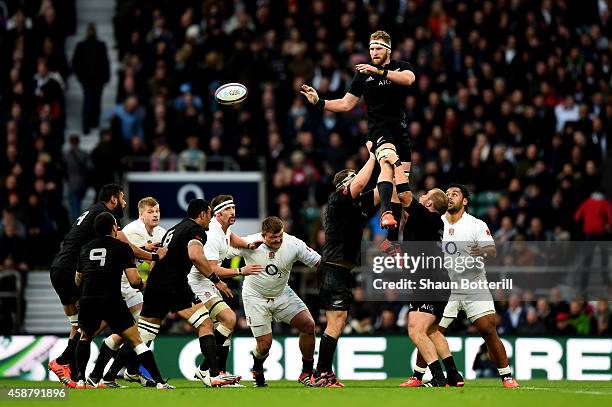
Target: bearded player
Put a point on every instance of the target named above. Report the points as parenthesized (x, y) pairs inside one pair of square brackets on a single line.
[(383, 84), (217, 248)]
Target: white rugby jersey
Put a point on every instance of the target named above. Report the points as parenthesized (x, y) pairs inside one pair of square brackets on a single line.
[(277, 265), (468, 230), (136, 233), (217, 246)]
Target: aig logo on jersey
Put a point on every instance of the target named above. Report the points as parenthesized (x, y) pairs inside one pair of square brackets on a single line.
[(427, 307)]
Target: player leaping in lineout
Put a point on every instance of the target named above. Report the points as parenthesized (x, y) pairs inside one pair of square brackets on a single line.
[(267, 296), (383, 84)]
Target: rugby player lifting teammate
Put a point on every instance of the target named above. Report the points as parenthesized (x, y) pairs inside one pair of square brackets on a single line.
[(267, 296), (472, 238), (112, 200), (348, 211), (383, 84), (101, 264), (425, 311)]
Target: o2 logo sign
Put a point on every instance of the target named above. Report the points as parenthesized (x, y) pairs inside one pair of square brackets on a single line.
[(450, 248), (272, 270)]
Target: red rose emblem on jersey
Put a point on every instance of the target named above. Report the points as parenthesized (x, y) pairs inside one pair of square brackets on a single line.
[(451, 231), (488, 232)]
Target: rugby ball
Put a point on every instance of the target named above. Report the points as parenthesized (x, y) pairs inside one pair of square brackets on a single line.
[(231, 93)]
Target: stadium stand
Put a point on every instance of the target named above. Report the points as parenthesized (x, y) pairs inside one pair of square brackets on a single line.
[(512, 98)]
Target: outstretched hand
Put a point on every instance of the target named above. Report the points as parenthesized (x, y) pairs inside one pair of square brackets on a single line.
[(310, 93)]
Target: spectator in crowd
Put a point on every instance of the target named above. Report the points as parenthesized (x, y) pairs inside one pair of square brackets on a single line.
[(92, 68), (77, 170), (483, 365), (532, 326), (192, 158), (129, 118), (13, 253), (104, 161), (602, 317), (563, 327), (162, 158), (514, 316), (595, 213), (579, 319), (544, 313)]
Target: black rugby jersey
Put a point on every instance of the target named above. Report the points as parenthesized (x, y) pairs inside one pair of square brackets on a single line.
[(81, 232), (385, 100), (175, 266), (422, 225), (102, 262), (345, 219)]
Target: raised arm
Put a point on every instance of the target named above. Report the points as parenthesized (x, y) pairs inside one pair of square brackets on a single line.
[(404, 78), (346, 104), (363, 176)]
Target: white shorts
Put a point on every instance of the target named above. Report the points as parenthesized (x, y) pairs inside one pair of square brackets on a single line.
[(131, 296), (473, 309), (260, 311), (203, 288)]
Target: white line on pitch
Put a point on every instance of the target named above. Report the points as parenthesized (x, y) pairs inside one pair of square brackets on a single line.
[(557, 390)]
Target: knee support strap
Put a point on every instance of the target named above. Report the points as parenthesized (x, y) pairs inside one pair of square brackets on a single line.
[(198, 317), (148, 331), (216, 308)]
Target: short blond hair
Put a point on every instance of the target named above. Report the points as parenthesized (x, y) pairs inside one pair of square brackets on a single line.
[(439, 200), (382, 36), (146, 202)]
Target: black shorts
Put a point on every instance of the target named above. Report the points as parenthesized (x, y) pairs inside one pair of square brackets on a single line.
[(64, 285), (400, 139), (159, 299), (94, 310), (335, 287), (435, 308)]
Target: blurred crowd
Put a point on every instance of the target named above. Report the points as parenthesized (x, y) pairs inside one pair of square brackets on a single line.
[(512, 98)]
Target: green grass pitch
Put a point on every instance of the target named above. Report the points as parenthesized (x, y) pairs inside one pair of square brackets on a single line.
[(356, 393)]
